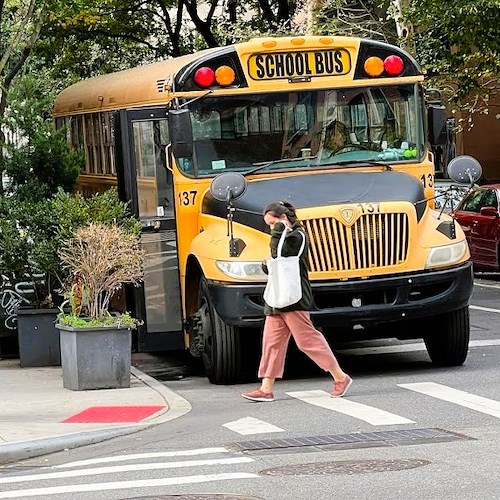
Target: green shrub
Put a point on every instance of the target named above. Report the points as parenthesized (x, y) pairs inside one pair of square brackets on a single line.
[(33, 232)]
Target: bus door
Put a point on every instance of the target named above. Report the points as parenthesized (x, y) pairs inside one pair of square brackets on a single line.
[(145, 180)]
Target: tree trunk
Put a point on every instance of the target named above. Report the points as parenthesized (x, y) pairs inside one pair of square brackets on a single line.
[(203, 27), (14, 67), (404, 30), (305, 16)]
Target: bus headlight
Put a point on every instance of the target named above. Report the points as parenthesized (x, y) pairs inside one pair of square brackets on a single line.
[(250, 271), (446, 254)]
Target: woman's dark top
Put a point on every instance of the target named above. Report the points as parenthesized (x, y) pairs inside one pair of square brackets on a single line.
[(291, 247)]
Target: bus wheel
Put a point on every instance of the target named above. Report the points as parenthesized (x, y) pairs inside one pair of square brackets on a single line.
[(221, 343), (449, 343)]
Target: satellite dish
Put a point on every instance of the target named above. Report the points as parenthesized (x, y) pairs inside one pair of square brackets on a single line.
[(228, 186), (464, 169)]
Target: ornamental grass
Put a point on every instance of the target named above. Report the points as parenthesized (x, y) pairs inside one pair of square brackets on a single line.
[(101, 258)]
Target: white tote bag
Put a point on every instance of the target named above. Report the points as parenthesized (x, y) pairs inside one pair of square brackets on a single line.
[(284, 287)]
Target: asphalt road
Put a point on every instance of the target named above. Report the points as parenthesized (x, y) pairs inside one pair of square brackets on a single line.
[(406, 430)]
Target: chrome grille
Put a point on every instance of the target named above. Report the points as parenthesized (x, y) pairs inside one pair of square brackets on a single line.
[(374, 240)]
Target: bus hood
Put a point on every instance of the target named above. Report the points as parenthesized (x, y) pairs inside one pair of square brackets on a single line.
[(315, 190)]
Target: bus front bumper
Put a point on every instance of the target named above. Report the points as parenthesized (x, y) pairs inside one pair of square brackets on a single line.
[(364, 302)]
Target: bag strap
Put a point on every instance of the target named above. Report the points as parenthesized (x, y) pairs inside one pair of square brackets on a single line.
[(282, 241)]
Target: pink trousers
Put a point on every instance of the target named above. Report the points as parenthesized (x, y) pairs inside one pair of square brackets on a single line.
[(277, 331)]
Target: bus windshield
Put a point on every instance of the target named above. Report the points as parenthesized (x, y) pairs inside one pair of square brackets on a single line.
[(317, 128)]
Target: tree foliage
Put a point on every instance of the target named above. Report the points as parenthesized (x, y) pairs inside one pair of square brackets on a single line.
[(40, 161), (20, 25), (458, 43), (90, 37), (33, 231), (365, 18), (84, 37)]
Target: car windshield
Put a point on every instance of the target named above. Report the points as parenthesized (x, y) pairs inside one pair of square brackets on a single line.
[(317, 128)]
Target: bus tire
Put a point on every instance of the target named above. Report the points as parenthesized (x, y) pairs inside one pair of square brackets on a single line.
[(221, 343), (449, 344)]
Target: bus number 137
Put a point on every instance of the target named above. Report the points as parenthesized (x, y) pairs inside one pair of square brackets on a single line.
[(187, 197)]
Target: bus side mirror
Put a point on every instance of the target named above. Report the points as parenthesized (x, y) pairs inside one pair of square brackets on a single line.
[(465, 169), (230, 186), (181, 133), (436, 124)]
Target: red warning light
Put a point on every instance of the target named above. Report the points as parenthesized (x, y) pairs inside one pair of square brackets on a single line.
[(204, 77), (393, 65)]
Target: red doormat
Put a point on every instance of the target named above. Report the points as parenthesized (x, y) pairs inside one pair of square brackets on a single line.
[(113, 414)]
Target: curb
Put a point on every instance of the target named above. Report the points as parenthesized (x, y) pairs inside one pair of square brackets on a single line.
[(22, 450)]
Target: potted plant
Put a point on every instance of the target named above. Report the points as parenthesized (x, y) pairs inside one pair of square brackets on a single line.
[(37, 166), (95, 343), (33, 275), (30, 303)]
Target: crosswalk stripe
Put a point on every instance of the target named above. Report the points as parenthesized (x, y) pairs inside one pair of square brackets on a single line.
[(389, 349), (462, 398), (140, 456), (249, 425), (413, 347), (486, 285), (123, 468), (360, 411), (122, 485), (487, 309)]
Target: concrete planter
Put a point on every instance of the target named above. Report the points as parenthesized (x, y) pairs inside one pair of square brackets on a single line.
[(38, 337), (95, 358)]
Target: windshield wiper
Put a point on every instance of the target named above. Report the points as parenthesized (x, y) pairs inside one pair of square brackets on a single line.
[(360, 163), (262, 166)]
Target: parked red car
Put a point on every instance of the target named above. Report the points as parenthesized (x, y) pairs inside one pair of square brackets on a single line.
[(479, 216)]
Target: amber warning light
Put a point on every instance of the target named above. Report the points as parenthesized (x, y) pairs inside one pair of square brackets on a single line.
[(206, 77), (392, 65)]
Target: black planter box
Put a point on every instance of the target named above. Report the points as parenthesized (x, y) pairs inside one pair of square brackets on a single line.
[(38, 337)]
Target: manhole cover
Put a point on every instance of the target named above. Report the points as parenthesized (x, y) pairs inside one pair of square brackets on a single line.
[(208, 496), (344, 467)]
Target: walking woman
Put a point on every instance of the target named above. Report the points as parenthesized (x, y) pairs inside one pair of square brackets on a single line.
[(292, 320)]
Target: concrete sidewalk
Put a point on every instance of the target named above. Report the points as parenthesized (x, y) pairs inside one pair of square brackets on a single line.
[(34, 406)]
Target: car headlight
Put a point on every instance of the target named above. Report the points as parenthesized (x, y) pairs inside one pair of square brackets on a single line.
[(251, 271), (446, 254)]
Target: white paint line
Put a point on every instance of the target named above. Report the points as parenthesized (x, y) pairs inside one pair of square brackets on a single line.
[(360, 411), (486, 309), (125, 485), (413, 347), (250, 425), (390, 349), (123, 468), (462, 398), (484, 285), (484, 343), (140, 456)]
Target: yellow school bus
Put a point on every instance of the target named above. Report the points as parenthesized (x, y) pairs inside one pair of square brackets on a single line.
[(339, 127)]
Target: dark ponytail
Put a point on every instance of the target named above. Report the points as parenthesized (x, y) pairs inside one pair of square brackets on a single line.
[(279, 208)]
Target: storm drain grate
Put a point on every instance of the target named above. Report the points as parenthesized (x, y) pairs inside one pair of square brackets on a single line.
[(345, 467), (354, 440)]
